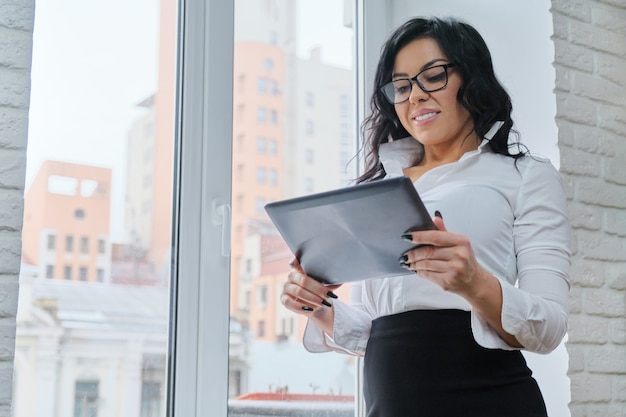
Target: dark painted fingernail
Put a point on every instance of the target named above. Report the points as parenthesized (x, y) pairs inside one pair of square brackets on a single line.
[(331, 294), (438, 214), (307, 308), (326, 303), (403, 258), (408, 237), (405, 265)]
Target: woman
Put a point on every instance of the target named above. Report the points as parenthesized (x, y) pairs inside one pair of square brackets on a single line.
[(445, 339)]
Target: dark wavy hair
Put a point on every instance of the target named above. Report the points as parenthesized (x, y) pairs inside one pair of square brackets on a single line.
[(481, 93)]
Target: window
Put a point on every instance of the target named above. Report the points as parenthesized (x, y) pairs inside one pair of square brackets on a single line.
[(308, 156), (268, 64), (261, 115), (79, 214), (51, 242), (67, 272), (49, 271), (344, 105), (309, 128), (260, 175), (150, 399), (69, 243), (86, 399), (261, 328), (260, 205), (274, 88), (272, 177), (100, 274), (273, 117), (308, 185), (260, 144), (102, 246), (261, 85), (273, 147), (84, 245), (82, 273)]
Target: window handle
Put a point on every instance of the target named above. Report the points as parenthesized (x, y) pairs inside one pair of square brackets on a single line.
[(221, 217)]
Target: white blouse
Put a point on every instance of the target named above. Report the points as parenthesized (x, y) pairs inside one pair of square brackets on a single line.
[(515, 216)]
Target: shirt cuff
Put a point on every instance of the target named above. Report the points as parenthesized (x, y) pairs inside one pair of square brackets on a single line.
[(351, 332)]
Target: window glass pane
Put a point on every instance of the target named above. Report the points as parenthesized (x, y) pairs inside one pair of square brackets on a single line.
[(92, 323), (308, 143)]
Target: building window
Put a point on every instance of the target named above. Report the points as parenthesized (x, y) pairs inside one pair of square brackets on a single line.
[(261, 328), (274, 88), (272, 177), (86, 399), (82, 273), (69, 243), (260, 144), (100, 274), (84, 245), (150, 399), (268, 64), (273, 147), (79, 214), (260, 175), (273, 117), (67, 272), (262, 295), (49, 271), (309, 128), (309, 156), (261, 115), (344, 105), (261, 85), (308, 185), (102, 246), (309, 99), (52, 241), (260, 205)]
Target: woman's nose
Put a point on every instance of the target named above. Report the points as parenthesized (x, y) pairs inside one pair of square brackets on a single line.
[(417, 94)]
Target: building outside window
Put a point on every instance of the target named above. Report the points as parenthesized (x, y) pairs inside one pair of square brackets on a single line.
[(84, 245), (86, 399), (82, 273), (150, 399), (102, 246), (260, 144), (273, 147), (261, 85), (261, 115), (67, 272), (69, 243), (51, 242), (49, 271), (260, 175)]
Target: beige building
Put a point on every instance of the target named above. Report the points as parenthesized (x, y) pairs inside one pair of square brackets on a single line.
[(69, 239)]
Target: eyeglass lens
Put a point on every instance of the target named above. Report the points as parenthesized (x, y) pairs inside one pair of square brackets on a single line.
[(429, 80)]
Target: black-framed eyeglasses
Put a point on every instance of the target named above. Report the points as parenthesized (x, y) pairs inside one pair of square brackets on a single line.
[(428, 80)]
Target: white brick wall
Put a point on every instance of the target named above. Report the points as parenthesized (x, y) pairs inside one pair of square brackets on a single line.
[(590, 62), (16, 28)]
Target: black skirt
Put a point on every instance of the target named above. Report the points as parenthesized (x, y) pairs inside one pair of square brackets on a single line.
[(426, 363)]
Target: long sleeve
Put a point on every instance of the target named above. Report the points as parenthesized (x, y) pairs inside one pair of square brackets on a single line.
[(536, 310), (351, 328)]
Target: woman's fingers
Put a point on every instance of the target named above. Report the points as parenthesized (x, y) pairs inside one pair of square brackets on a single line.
[(302, 293)]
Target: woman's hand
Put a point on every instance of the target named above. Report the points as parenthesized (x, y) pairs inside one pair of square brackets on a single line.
[(303, 294), (447, 259)]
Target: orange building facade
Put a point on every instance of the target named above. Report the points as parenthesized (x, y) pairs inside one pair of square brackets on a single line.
[(69, 239)]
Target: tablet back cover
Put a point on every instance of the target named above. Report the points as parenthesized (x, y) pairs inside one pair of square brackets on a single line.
[(352, 233)]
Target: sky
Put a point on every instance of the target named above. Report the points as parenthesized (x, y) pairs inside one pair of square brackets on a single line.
[(93, 61)]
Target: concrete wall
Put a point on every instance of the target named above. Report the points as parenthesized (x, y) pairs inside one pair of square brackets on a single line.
[(16, 28), (590, 62)]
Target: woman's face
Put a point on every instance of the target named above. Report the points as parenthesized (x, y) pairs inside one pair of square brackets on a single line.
[(435, 118)]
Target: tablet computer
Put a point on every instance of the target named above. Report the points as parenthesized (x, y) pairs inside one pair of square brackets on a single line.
[(352, 233)]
